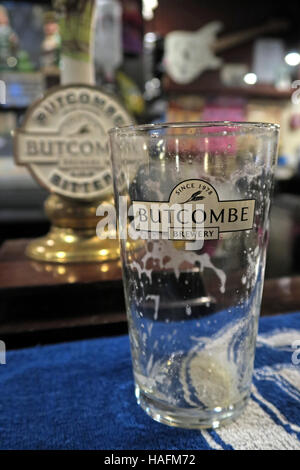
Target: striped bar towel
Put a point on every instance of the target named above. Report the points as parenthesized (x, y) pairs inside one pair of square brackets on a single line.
[(80, 395)]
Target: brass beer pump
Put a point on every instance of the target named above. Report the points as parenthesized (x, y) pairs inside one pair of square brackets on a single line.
[(64, 143)]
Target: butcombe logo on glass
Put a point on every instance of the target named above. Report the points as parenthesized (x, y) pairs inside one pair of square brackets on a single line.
[(64, 140), (193, 211)]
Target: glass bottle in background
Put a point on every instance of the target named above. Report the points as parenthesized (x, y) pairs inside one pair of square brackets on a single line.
[(108, 51)]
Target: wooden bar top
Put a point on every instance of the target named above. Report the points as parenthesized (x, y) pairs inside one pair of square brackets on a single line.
[(19, 271), (47, 302)]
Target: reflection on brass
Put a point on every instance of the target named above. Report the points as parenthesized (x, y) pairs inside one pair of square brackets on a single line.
[(72, 237), (72, 273)]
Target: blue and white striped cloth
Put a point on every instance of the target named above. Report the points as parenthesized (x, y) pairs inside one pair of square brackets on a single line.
[(80, 396)]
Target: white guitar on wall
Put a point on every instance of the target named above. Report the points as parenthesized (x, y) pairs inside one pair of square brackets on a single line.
[(188, 54)]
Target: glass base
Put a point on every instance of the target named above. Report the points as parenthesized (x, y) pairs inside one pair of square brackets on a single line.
[(190, 419)]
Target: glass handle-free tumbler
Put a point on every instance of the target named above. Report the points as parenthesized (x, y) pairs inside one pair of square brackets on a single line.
[(193, 203)]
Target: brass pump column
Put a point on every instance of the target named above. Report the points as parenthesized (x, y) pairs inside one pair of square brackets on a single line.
[(64, 143)]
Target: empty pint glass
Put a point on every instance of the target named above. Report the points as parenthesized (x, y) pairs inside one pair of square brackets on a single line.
[(193, 203)]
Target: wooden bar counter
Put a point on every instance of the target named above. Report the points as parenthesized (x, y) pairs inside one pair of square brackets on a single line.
[(44, 303)]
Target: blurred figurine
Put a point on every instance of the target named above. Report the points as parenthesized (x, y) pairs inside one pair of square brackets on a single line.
[(8, 42), (51, 44)]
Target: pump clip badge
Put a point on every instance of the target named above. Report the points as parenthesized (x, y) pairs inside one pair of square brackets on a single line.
[(64, 143)]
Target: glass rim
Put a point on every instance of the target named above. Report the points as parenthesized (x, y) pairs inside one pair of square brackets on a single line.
[(194, 124)]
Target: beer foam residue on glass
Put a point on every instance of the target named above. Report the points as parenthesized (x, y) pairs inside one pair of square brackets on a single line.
[(165, 249)]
